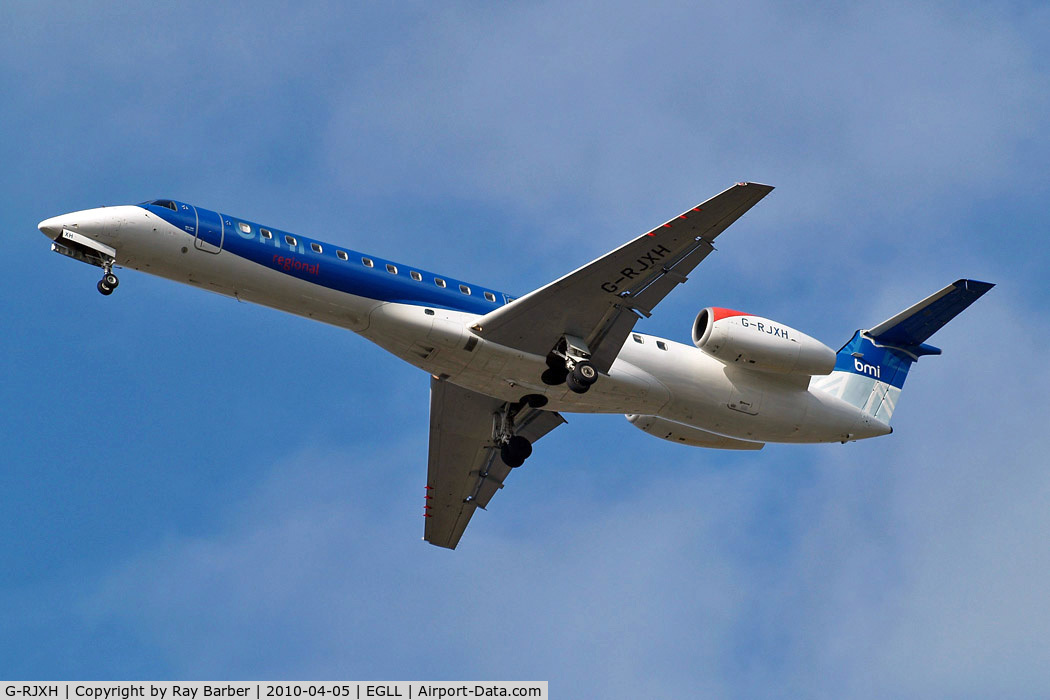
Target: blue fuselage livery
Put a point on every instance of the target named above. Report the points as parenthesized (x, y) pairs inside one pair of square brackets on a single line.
[(321, 263), (504, 370)]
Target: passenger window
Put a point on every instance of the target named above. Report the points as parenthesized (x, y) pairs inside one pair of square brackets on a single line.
[(342, 255), (464, 288), (490, 296), (315, 247), (290, 240), (439, 282), (367, 262), (391, 269), (661, 344), (245, 227), (637, 338), (265, 233), (416, 276)]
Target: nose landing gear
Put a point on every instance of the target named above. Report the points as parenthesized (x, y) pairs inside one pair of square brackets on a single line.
[(109, 281), (87, 250)]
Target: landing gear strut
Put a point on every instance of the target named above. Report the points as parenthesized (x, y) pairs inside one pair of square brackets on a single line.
[(109, 281)]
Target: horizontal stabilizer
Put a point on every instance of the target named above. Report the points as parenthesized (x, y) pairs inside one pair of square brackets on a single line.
[(871, 368), (913, 326)]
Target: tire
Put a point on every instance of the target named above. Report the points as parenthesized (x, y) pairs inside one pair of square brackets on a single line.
[(516, 451), (585, 373), (575, 386), (510, 459), (104, 289), (111, 280), (521, 446)]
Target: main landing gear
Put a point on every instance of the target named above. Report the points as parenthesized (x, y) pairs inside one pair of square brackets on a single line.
[(567, 363), (514, 449), (581, 377), (109, 281)]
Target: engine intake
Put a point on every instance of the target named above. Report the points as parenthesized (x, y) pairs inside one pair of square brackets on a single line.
[(735, 338)]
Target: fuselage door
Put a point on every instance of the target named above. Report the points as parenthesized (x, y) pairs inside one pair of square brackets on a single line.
[(210, 231)]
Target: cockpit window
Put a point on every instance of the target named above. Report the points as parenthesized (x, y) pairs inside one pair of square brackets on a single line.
[(167, 203)]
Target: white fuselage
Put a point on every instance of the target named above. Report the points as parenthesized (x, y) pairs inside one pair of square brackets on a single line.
[(677, 382)]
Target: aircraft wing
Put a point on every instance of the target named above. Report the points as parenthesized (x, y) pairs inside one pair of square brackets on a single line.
[(465, 469), (601, 301)]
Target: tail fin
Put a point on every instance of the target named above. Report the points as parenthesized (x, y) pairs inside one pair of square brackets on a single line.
[(871, 368)]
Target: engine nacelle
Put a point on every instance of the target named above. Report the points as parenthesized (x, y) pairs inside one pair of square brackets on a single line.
[(742, 340)]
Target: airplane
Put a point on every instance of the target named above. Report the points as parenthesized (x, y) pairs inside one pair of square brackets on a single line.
[(504, 369)]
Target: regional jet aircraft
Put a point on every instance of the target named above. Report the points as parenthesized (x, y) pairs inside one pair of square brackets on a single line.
[(504, 370)]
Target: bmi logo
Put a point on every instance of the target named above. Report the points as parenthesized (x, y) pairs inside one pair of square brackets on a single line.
[(864, 368)]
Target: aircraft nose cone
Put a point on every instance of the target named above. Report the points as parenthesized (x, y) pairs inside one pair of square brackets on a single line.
[(52, 228)]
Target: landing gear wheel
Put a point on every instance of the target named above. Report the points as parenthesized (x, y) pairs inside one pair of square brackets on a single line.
[(575, 385), (584, 373), (516, 450), (511, 462), (103, 288), (111, 280)]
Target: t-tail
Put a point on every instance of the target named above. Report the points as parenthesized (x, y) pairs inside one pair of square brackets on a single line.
[(871, 368)]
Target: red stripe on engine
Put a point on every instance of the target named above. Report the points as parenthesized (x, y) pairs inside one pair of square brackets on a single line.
[(719, 313)]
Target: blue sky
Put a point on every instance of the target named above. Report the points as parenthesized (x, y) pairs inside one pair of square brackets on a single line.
[(196, 488)]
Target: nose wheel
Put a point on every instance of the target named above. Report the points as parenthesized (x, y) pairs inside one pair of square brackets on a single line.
[(108, 283)]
